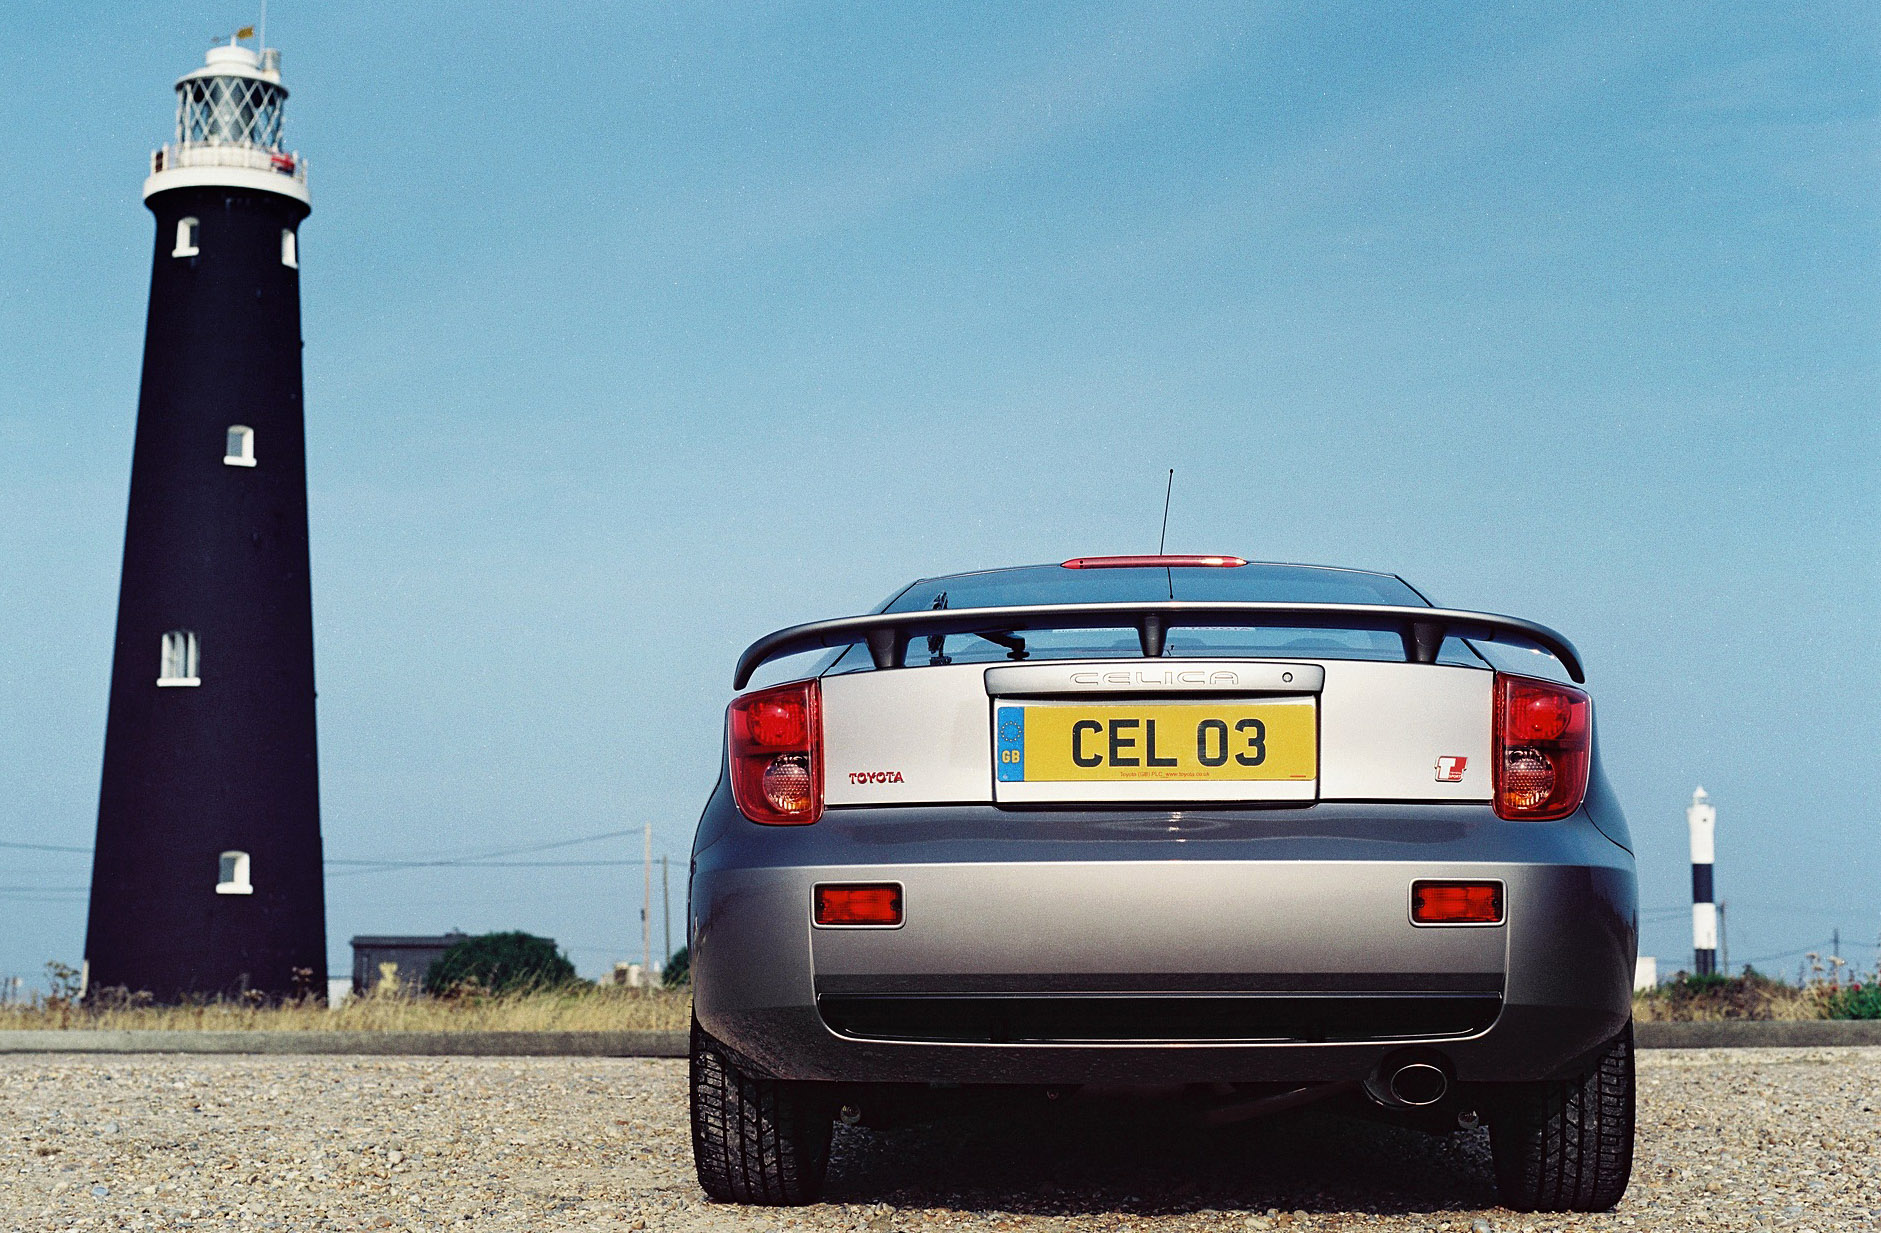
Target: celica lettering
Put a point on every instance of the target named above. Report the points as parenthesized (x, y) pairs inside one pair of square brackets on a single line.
[(1187, 676)]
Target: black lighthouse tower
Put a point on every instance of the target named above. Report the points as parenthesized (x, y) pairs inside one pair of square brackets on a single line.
[(207, 873)]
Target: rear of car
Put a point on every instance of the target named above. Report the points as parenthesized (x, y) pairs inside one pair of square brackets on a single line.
[(1175, 820)]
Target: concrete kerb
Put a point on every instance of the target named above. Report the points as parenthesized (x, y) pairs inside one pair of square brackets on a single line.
[(1722, 1034), (409, 1044), (1758, 1033)]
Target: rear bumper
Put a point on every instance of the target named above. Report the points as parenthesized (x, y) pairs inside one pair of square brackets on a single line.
[(1158, 946)]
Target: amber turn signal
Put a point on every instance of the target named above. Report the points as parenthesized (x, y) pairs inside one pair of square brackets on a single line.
[(1456, 903), (859, 903)]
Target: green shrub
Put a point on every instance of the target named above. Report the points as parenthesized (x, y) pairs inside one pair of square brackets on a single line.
[(500, 963), (1856, 1002)]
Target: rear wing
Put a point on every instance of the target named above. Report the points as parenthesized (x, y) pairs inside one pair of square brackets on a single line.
[(887, 633)]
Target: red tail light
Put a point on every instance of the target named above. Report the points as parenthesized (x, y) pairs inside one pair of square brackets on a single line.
[(1544, 738), (776, 745)]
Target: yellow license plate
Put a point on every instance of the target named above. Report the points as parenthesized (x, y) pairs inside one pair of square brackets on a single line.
[(1173, 742)]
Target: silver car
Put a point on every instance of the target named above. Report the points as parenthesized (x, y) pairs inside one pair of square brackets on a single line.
[(1269, 834)]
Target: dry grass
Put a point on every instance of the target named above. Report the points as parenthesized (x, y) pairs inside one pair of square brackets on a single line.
[(577, 1009), (1700, 999)]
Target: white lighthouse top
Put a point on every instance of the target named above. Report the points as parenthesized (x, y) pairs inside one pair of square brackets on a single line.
[(234, 60), (228, 128), (1701, 818)]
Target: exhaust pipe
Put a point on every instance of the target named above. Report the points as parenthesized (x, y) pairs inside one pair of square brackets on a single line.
[(1417, 1084), (1409, 1080)]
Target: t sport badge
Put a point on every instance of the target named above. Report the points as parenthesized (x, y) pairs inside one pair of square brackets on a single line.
[(1450, 769)]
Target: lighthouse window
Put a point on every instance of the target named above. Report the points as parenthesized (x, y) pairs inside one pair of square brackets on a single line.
[(179, 659), (186, 232), (232, 878), (289, 254), (240, 450)]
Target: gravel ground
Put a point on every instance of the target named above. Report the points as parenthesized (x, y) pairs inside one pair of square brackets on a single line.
[(1745, 1139)]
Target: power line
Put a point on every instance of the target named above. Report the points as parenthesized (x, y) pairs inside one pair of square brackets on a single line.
[(474, 859), (353, 867), (1800, 950)]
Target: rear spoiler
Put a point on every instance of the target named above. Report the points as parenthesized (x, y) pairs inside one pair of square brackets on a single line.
[(887, 633)]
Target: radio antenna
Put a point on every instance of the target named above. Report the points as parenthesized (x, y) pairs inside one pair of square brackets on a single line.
[(1169, 489)]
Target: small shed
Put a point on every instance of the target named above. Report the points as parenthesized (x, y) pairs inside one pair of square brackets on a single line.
[(412, 957)]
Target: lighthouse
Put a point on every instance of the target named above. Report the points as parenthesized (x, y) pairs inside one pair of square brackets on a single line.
[(1701, 820), (206, 877)]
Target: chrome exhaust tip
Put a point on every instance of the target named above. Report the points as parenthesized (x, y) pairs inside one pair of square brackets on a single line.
[(1410, 1079), (1417, 1084)]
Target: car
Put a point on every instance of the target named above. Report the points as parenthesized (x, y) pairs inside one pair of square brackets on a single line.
[(1262, 833)]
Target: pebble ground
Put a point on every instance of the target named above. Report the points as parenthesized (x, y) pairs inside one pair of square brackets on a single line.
[(1730, 1139)]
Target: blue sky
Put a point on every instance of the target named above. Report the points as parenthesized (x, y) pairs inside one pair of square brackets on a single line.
[(634, 332)]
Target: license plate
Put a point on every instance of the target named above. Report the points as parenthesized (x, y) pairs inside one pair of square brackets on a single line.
[(1074, 751)]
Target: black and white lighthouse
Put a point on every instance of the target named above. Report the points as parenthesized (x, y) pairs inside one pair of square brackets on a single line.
[(207, 873), (1701, 820)]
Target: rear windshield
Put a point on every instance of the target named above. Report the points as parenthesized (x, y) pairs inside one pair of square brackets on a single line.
[(1054, 584)]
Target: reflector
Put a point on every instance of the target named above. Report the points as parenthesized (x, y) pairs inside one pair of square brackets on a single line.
[(1456, 903), (868, 903)]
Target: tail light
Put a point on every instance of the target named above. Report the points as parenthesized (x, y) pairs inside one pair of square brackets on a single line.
[(1544, 735), (776, 746)]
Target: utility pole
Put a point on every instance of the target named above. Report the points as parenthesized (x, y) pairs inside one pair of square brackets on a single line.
[(666, 911), (1724, 942), (646, 910)]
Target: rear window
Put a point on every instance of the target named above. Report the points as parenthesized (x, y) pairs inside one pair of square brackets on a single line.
[(1054, 584)]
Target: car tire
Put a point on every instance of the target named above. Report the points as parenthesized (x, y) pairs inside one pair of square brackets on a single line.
[(754, 1139), (1567, 1145)]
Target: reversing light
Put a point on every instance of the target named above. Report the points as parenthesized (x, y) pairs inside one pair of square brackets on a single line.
[(1456, 903), (787, 784), (775, 740), (1544, 741), (863, 903), (1151, 562)]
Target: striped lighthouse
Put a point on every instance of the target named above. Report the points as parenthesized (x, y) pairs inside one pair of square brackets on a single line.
[(206, 877), (1701, 819)]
